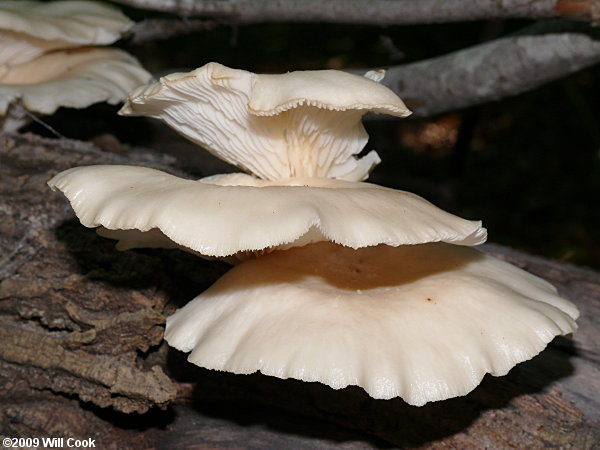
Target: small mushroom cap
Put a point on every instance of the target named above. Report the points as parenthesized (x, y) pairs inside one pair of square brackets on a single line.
[(326, 89), (299, 124), (423, 322), (71, 22), (216, 219), (74, 78)]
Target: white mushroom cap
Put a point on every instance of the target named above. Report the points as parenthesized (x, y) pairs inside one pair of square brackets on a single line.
[(423, 322), (221, 220), (74, 23), (17, 48), (299, 124), (74, 78), (325, 89)]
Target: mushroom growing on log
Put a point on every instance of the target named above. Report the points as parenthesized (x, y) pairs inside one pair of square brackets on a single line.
[(47, 259), (393, 310)]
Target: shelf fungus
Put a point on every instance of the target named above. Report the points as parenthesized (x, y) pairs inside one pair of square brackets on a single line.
[(50, 57), (336, 280)]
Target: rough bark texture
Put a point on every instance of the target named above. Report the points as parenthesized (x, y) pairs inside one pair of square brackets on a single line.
[(81, 328), (62, 329), (494, 70), (369, 12)]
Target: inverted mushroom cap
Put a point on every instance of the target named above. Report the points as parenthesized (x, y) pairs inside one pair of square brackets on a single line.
[(299, 124), (216, 219), (423, 322), (73, 23), (74, 78)]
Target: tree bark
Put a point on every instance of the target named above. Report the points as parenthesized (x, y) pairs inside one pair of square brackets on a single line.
[(371, 12), (81, 330), (62, 329)]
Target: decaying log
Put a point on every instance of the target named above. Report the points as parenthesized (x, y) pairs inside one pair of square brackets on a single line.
[(80, 347)]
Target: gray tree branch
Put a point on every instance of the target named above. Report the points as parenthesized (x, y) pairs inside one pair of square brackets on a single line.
[(157, 29), (491, 71), (371, 12)]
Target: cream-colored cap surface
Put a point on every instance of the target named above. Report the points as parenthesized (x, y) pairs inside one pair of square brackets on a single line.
[(73, 78), (327, 89), (74, 22), (216, 219), (19, 48), (421, 322)]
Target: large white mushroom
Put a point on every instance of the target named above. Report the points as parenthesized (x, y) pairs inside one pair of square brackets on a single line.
[(253, 215), (348, 283), (422, 322), (48, 57)]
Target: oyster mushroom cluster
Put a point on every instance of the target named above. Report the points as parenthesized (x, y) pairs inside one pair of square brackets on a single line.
[(50, 57), (337, 280)]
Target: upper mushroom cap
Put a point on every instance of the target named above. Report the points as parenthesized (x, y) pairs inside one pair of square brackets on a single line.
[(74, 78), (298, 124), (422, 322), (325, 89), (224, 215), (74, 23)]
